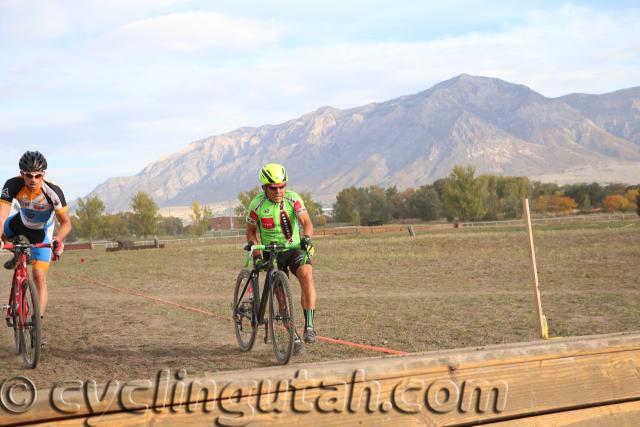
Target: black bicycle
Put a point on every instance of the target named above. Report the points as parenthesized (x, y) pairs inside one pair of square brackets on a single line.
[(250, 306)]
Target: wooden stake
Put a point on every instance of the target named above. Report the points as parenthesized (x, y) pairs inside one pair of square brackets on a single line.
[(542, 323)]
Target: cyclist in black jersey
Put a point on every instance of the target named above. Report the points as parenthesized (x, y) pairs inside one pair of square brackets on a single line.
[(40, 201)]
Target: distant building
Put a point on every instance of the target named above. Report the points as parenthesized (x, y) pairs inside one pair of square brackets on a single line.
[(327, 211), (185, 212), (227, 222), (181, 212)]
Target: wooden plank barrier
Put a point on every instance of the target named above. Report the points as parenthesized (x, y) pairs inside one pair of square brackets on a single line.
[(348, 230), (78, 246), (133, 246), (592, 380)]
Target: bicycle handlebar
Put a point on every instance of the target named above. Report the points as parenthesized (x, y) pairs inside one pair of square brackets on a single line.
[(273, 247), (12, 246)]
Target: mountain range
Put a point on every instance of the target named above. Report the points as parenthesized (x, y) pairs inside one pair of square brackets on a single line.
[(496, 126)]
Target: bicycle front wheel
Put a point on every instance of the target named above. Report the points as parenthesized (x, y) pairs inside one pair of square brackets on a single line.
[(30, 328), (244, 308), (15, 320), (281, 317)]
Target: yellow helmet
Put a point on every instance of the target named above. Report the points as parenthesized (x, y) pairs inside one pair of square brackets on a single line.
[(273, 174)]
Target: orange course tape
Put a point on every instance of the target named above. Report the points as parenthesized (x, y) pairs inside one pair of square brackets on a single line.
[(96, 282)]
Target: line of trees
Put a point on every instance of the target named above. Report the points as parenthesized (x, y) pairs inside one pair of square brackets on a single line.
[(91, 223), (462, 196)]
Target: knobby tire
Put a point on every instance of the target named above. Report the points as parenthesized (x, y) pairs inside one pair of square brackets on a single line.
[(243, 312), (15, 320), (281, 317), (31, 331)]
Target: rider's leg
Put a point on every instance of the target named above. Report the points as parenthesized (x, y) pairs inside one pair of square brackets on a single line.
[(40, 279), (41, 257), (304, 274), (10, 264), (39, 270)]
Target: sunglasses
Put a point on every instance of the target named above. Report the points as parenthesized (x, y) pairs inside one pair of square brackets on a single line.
[(272, 188), (33, 175)]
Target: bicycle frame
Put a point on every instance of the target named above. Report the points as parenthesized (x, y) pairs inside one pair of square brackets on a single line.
[(260, 299), (23, 311), (250, 304), (20, 275)]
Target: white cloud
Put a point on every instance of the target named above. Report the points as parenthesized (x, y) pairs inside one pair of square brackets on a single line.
[(192, 31), (32, 19), (155, 102), (289, 82), (17, 120), (555, 53), (121, 7)]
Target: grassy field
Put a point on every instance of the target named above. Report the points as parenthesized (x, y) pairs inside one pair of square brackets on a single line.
[(441, 289)]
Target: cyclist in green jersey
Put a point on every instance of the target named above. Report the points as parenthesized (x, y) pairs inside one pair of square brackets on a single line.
[(279, 214)]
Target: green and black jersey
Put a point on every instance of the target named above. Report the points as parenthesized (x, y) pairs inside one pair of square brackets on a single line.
[(277, 222)]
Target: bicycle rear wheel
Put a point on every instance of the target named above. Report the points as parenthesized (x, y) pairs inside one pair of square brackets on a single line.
[(281, 317), (244, 308), (31, 330)]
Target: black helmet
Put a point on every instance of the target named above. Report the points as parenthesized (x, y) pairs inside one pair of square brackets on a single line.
[(32, 161)]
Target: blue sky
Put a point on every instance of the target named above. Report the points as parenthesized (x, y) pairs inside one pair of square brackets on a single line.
[(103, 88)]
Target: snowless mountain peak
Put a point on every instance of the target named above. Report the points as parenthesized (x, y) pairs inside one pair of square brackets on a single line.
[(497, 126)]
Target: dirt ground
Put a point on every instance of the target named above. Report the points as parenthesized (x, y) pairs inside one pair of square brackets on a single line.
[(445, 289)]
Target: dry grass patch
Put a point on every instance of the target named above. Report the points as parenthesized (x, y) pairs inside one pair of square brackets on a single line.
[(442, 289)]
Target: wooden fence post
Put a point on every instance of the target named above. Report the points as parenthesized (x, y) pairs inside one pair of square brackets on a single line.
[(542, 321)]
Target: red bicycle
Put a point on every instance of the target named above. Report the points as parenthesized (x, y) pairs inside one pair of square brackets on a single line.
[(23, 310)]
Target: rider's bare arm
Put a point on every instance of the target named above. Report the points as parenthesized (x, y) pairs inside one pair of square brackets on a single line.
[(65, 225), (305, 222), (252, 235), (5, 209)]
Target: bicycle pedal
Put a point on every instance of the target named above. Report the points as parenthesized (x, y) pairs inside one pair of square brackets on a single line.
[(9, 322)]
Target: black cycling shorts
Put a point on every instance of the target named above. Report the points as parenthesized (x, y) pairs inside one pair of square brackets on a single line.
[(291, 260), (16, 227)]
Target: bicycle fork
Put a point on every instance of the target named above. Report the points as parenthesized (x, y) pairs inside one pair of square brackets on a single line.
[(266, 298), (6, 308), (11, 308)]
